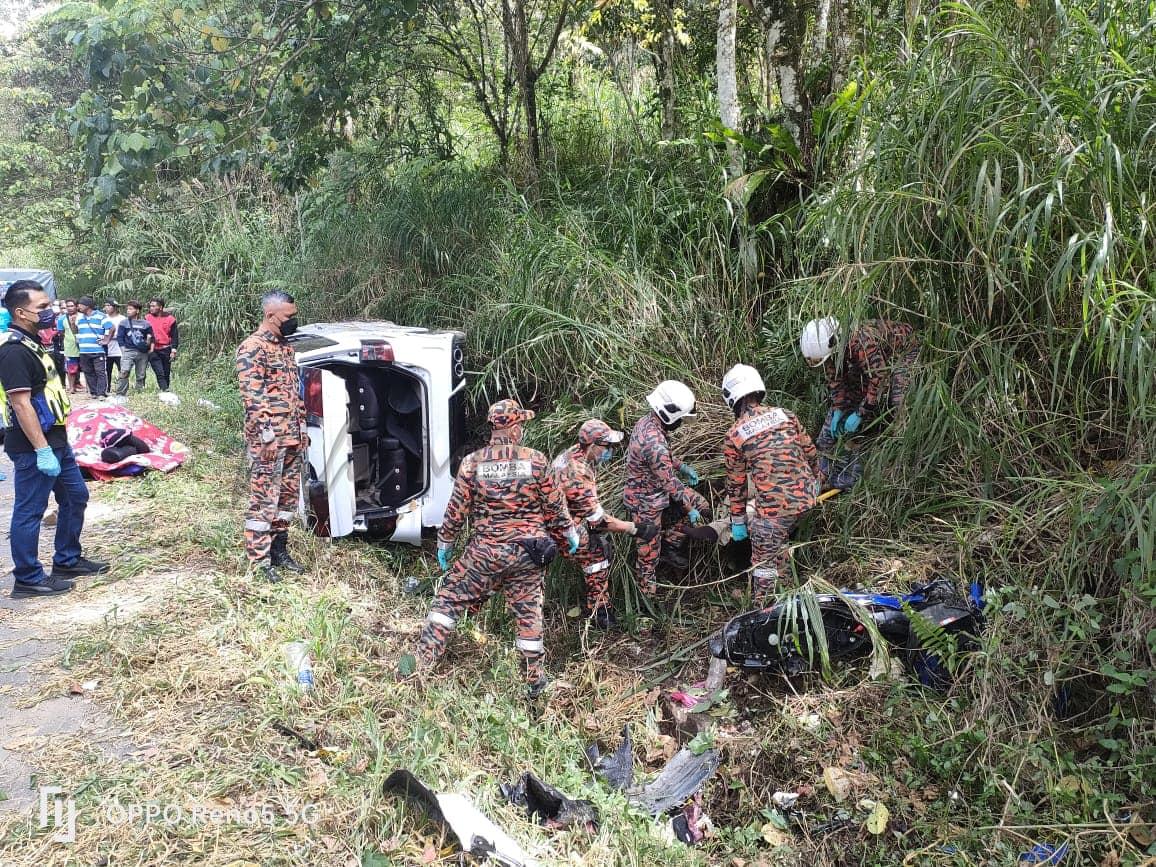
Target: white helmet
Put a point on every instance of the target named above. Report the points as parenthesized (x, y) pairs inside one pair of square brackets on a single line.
[(671, 401), (819, 340), (741, 380)]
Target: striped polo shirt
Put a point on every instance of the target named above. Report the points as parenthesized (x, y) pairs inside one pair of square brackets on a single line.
[(89, 330)]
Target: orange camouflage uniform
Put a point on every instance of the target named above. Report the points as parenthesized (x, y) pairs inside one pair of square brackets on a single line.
[(574, 475), (767, 452), (876, 364), (509, 495), (654, 494), (271, 394)]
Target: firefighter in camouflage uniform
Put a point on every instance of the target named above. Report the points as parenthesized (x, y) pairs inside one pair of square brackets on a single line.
[(771, 460), (574, 471), (518, 515), (653, 493), (274, 435), (875, 368), (867, 381)]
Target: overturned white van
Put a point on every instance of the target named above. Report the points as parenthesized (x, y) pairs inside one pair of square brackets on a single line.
[(385, 410)]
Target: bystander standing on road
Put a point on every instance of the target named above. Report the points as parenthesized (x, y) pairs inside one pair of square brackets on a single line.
[(93, 331), (66, 323), (166, 341), (112, 311), (34, 406), (135, 337)]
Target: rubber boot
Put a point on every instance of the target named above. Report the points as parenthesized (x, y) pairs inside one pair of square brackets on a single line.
[(604, 618), (279, 553), (266, 571)]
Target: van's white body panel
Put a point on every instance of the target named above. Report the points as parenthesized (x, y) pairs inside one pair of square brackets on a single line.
[(433, 359)]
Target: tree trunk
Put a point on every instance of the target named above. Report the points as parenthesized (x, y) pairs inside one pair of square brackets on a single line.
[(731, 117), (518, 38), (727, 74), (665, 71), (785, 26)]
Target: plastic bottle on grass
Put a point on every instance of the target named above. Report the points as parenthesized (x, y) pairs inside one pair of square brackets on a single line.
[(300, 665)]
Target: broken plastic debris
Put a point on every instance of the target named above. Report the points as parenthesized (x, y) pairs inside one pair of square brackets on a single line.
[(169, 398), (476, 834), (616, 768), (785, 800), (684, 699), (681, 778), (691, 824), (812, 722), (548, 805), (1044, 853)]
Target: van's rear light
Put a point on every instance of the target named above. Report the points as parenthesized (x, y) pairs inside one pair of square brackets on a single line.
[(458, 360), (314, 406), (376, 350)]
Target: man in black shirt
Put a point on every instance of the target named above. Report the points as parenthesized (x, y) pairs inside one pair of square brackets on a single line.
[(35, 407)]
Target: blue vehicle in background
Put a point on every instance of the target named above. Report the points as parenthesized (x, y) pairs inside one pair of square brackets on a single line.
[(785, 638)]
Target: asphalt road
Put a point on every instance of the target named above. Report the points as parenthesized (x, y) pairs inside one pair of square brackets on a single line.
[(29, 650)]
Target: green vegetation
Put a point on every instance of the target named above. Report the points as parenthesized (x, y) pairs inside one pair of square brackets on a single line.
[(983, 170)]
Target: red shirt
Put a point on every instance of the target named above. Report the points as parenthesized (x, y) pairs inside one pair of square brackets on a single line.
[(162, 329)]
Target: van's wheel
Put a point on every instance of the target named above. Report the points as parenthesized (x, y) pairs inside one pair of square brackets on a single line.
[(381, 529)]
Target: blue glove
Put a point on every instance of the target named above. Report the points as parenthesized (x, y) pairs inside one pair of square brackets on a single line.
[(695, 516), (851, 423), (573, 539), (836, 417), (739, 532), (689, 474), (47, 462), (444, 559)]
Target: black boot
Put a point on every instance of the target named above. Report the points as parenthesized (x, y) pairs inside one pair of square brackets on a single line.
[(537, 689), (604, 618), (266, 571), (279, 553)]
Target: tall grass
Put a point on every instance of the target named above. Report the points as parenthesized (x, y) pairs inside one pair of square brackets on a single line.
[(1002, 201)]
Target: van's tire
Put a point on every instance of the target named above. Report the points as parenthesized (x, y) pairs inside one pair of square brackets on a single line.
[(381, 529)]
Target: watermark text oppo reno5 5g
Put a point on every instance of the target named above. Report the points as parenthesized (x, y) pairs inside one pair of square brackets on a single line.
[(58, 813), (114, 812)]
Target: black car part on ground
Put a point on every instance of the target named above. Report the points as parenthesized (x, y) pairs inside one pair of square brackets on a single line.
[(616, 768), (683, 775), (549, 806), (455, 813)]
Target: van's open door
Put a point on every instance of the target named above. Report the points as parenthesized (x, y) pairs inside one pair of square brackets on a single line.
[(330, 495)]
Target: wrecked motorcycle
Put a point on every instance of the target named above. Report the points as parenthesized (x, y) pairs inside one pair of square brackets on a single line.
[(929, 625)]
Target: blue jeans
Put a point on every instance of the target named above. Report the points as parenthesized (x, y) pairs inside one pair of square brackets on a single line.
[(31, 499)]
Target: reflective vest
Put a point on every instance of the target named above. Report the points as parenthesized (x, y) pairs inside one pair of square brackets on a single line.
[(52, 405)]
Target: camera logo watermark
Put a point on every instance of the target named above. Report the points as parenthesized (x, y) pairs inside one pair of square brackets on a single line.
[(62, 816)]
